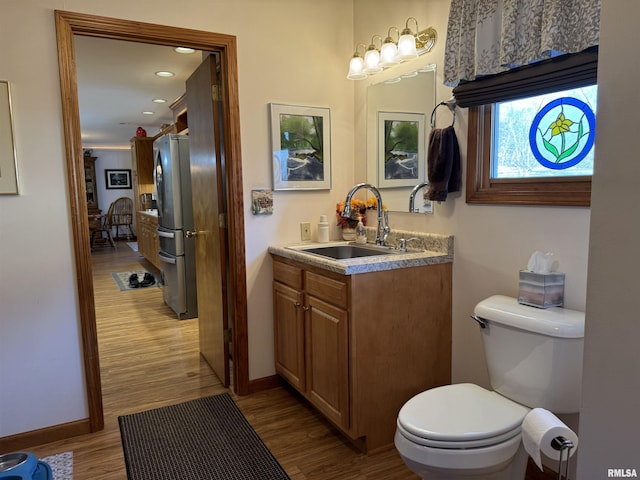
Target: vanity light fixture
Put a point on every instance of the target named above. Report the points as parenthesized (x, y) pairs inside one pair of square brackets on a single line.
[(408, 46), (372, 57), (356, 66), (407, 42), (389, 50)]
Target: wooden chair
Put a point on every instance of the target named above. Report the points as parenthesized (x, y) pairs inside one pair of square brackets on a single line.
[(121, 216), (100, 229)]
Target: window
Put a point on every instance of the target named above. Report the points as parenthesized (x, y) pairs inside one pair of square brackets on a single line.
[(532, 132), (549, 135)]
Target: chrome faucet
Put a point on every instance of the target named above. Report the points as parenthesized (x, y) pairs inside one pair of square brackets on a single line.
[(412, 195), (383, 229)]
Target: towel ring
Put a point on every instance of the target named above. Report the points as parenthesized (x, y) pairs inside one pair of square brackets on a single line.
[(452, 108)]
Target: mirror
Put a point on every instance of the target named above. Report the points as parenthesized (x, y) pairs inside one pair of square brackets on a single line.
[(407, 100)]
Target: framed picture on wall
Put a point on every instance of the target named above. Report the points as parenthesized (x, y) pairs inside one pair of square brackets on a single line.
[(401, 149), (8, 160), (301, 147), (115, 179)]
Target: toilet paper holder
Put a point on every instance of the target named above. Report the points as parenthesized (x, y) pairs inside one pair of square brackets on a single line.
[(563, 445)]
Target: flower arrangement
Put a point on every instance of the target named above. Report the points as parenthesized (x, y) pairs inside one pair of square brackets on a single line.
[(358, 207)]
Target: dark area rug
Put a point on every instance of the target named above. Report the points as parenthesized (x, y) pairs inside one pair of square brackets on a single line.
[(208, 438)]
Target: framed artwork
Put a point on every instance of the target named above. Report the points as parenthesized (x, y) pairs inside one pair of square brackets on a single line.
[(8, 159), (115, 179), (401, 149), (301, 147), (262, 201)]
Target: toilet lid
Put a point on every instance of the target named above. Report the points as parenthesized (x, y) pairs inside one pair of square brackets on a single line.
[(460, 416)]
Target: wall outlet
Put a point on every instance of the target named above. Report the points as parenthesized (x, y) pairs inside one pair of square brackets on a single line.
[(305, 231)]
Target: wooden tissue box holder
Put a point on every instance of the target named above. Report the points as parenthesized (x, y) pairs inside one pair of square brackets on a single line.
[(541, 290)]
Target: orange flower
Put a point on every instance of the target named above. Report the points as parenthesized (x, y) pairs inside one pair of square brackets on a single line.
[(358, 207)]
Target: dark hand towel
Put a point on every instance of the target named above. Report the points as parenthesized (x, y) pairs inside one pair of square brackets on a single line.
[(443, 170)]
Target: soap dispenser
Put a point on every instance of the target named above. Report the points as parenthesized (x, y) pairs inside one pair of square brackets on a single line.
[(361, 233), (323, 229)]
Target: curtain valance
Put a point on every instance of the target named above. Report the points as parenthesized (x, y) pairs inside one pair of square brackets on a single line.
[(485, 37)]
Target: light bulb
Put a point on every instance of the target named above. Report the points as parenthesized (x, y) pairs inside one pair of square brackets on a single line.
[(372, 61), (388, 54), (407, 46), (356, 68)]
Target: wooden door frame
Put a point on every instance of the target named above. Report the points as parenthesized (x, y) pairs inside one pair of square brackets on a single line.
[(69, 24)]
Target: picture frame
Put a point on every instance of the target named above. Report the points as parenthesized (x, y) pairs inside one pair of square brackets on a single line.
[(401, 149), (262, 201), (301, 147), (118, 179), (9, 184)]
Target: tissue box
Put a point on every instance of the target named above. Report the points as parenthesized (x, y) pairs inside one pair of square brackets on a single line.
[(542, 290)]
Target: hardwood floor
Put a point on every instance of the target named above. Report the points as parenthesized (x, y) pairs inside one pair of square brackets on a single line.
[(149, 359)]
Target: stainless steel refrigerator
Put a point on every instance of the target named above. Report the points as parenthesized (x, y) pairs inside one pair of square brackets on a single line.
[(175, 218)]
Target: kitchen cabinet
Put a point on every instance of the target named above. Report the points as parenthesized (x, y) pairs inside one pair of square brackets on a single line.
[(91, 187), (148, 241), (141, 169), (357, 347), (180, 120)]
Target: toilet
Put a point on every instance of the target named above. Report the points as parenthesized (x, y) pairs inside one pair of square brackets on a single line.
[(464, 431)]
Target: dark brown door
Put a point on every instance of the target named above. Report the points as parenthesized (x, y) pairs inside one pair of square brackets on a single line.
[(209, 211)]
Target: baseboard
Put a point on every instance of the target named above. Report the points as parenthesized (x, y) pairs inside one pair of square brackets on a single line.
[(34, 438), (264, 383)]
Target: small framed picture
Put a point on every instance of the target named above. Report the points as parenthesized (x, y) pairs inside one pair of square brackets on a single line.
[(401, 149), (8, 159), (301, 147), (118, 179), (262, 201)]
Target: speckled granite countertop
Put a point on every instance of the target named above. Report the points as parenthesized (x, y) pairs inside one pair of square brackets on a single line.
[(423, 249)]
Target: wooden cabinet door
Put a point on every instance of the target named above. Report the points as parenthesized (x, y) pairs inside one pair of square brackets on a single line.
[(142, 232), (327, 350), (154, 246), (289, 334)]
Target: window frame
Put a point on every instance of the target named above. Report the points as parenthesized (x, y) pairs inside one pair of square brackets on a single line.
[(551, 75), (482, 189)]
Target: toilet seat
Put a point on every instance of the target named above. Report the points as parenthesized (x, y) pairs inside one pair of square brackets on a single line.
[(460, 416)]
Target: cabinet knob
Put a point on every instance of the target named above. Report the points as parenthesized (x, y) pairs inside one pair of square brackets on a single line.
[(305, 308), (296, 304)]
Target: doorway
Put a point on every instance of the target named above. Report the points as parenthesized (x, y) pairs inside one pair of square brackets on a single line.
[(69, 24)]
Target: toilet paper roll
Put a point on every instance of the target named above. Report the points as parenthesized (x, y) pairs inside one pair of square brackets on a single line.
[(539, 428)]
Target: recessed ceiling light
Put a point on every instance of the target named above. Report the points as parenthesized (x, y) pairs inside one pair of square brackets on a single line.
[(165, 74), (184, 50), (159, 100), (148, 113)]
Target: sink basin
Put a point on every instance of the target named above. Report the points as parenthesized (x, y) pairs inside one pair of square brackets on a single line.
[(341, 252)]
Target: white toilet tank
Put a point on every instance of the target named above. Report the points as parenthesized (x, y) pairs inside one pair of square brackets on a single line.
[(534, 355)]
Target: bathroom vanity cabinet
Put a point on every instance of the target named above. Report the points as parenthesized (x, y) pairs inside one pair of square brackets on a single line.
[(359, 346)]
